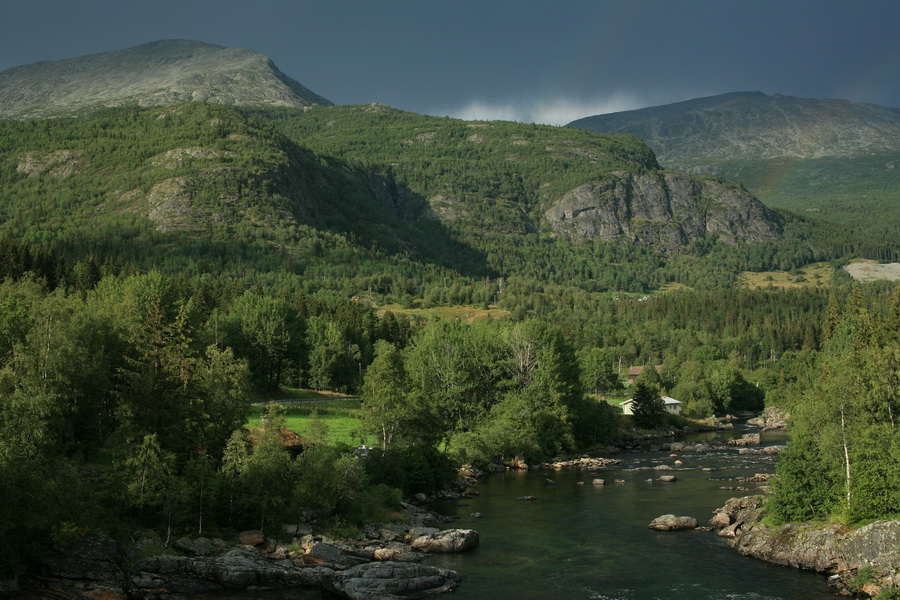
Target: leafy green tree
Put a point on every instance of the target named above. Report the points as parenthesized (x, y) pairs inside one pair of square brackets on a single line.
[(150, 471), (598, 375), (804, 488), (268, 334), (234, 464), (331, 481), (316, 432), (222, 401), (457, 367), (330, 356), (268, 475), (392, 410)]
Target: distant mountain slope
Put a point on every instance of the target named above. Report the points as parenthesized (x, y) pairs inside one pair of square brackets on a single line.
[(154, 74), (832, 159), (751, 125)]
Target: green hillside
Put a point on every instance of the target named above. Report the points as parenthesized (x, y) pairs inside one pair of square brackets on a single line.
[(368, 201), (860, 193)]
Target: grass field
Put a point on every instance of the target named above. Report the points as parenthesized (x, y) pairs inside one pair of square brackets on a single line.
[(338, 414), (811, 275), (463, 313)]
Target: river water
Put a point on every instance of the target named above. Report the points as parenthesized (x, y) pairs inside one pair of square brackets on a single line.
[(590, 542), (581, 542)]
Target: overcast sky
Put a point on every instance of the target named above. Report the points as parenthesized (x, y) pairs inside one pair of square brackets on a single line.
[(549, 61)]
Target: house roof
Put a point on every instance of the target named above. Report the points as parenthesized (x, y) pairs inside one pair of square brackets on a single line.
[(637, 370), (666, 400)]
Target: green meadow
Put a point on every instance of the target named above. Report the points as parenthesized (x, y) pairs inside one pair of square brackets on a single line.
[(338, 413)]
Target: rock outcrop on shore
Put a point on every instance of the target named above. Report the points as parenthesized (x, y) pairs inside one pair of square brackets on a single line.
[(390, 581), (771, 418), (383, 565), (835, 550)]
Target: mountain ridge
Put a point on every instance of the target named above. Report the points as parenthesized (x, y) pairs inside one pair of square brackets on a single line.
[(157, 73), (694, 134)]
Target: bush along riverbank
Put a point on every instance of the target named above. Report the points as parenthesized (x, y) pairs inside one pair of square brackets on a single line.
[(384, 562), (863, 561)]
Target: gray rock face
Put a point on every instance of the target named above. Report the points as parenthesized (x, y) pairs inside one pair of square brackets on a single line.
[(671, 523), (93, 558), (391, 581), (665, 210), (828, 549), (450, 540), (236, 568), (155, 74)]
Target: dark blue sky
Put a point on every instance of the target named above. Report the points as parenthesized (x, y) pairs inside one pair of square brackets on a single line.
[(550, 61)]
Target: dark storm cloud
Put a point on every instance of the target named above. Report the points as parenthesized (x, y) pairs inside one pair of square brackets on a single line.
[(522, 60)]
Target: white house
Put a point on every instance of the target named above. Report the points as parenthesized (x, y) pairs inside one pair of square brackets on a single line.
[(671, 404)]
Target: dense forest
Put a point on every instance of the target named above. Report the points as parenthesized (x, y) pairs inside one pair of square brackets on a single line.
[(161, 269), (130, 392)]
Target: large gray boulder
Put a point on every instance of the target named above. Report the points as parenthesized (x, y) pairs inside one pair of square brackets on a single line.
[(671, 522), (449, 540), (91, 558), (390, 581)]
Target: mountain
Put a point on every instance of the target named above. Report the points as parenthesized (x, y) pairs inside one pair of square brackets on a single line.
[(833, 159), (155, 74), (509, 178), (258, 175), (697, 134), (372, 200)]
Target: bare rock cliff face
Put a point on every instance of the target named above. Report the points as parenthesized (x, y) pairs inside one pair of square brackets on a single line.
[(666, 210)]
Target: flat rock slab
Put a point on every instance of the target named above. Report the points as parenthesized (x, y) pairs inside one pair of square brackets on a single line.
[(391, 581), (671, 522), (449, 540)]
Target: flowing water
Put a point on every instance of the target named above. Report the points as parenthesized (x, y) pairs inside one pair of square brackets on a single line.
[(592, 542), (579, 542)]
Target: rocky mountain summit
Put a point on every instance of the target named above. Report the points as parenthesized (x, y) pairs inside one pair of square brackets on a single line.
[(694, 134), (155, 74)]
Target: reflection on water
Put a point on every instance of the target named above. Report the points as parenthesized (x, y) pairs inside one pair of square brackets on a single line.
[(590, 541)]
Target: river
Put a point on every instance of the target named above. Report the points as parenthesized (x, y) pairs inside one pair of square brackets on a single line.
[(591, 542), (581, 542)]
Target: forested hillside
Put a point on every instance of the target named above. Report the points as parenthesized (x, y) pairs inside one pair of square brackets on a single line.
[(161, 268)]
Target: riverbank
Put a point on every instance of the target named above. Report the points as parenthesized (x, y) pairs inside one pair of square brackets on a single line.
[(385, 563), (862, 561)]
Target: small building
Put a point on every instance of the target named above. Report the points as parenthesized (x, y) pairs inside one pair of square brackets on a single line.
[(672, 406), (634, 372)]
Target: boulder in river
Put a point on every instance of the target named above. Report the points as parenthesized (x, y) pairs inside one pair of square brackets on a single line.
[(671, 522), (449, 540)]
